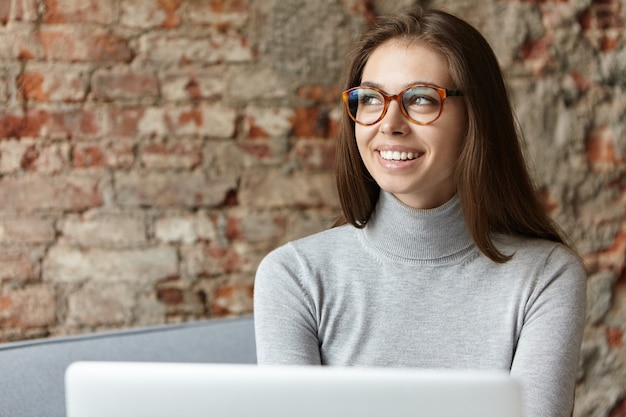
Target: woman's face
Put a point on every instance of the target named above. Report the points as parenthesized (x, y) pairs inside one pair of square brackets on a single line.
[(426, 180)]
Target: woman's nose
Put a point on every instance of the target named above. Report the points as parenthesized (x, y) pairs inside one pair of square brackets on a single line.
[(394, 122)]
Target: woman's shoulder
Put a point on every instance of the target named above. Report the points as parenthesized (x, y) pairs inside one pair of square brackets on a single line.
[(320, 244), (535, 251)]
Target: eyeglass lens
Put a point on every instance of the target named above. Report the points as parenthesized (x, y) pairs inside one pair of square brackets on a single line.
[(421, 104)]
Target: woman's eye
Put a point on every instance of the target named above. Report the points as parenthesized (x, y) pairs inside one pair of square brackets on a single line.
[(370, 100), (419, 100), (420, 97)]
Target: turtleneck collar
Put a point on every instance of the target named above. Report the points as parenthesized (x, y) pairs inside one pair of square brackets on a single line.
[(406, 234)]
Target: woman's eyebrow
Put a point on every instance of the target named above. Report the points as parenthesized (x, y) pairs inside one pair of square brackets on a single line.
[(376, 85)]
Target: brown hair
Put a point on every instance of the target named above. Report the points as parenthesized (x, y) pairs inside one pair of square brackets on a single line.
[(493, 183)]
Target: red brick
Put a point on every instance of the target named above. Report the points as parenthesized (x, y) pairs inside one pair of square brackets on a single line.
[(224, 13), (258, 149), (78, 11), (120, 154), (26, 229), (21, 43), (171, 296), (124, 84), (600, 144), (319, 93), (206, 259), (316, 120), (11, 154), (549, 203), (172, 155), (614, 257), (88, 156), (615, 337), (150, 14), (306, 123), (171, 189), (213, 121), (316, 154), (193, 84), (5, 12), (30, 193), (581, 82), (603, 23), (211, 48), (602, 14), (301, 189), (33, 306), (18, 125), (18, 10), (254, 131), (73, 123), (17, 267), (104, 229), (95, 304), (261, 122), (46, 159), (313, 122), (53, 84), (226, 6), (124, 122), (170, 9), (86, 45), (4, 87), (97, 155), (535, 54), (61, 124), (31, 86), (231, 299), (618, 410), (538, 1), (5, 304), (146, 265), (186, 228), (256, 227)]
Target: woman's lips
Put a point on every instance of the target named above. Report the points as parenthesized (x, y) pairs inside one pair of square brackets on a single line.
[(390, 155)]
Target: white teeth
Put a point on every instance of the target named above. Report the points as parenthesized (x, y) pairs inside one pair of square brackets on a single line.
[(398, 156)]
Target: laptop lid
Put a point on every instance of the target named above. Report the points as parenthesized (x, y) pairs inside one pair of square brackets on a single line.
[(131, 389)]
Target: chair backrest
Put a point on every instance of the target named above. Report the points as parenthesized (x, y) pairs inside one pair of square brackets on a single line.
[(32, 373)]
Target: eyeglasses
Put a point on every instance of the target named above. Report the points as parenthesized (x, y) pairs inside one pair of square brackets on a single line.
[(420, 104)]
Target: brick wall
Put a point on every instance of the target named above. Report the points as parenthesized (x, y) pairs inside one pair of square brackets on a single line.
[(151, 152)]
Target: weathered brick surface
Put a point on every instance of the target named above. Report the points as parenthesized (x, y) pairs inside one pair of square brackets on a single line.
[(114, 230), (184, 228), (150, 14), (162, 189), (97, 304), (20, 265), (124, 84), (37, 193), (23, 229), (152, 152), (79, 11), (146, 266), (28, 307)]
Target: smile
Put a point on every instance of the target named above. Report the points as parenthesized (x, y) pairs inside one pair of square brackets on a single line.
[(399, 156)]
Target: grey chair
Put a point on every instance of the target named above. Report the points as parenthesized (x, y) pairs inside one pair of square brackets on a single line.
[(32, 373)]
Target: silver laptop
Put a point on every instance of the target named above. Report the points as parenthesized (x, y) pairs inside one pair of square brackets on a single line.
[(132, 389)]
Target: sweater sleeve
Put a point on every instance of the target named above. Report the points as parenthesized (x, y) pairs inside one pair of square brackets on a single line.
[(284, 314), (547, 353)]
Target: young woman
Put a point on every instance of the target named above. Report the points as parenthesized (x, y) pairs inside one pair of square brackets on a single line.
[(444, 257)]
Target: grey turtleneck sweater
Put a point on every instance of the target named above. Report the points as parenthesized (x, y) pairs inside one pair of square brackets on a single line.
[(412, 290)]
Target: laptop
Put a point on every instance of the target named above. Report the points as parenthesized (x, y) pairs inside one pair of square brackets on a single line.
[(138, 389)]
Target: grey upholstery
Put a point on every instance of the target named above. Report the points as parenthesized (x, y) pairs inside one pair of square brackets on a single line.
[(32, 373)]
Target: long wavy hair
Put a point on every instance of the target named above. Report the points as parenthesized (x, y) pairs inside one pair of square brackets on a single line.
[(492, 180)]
